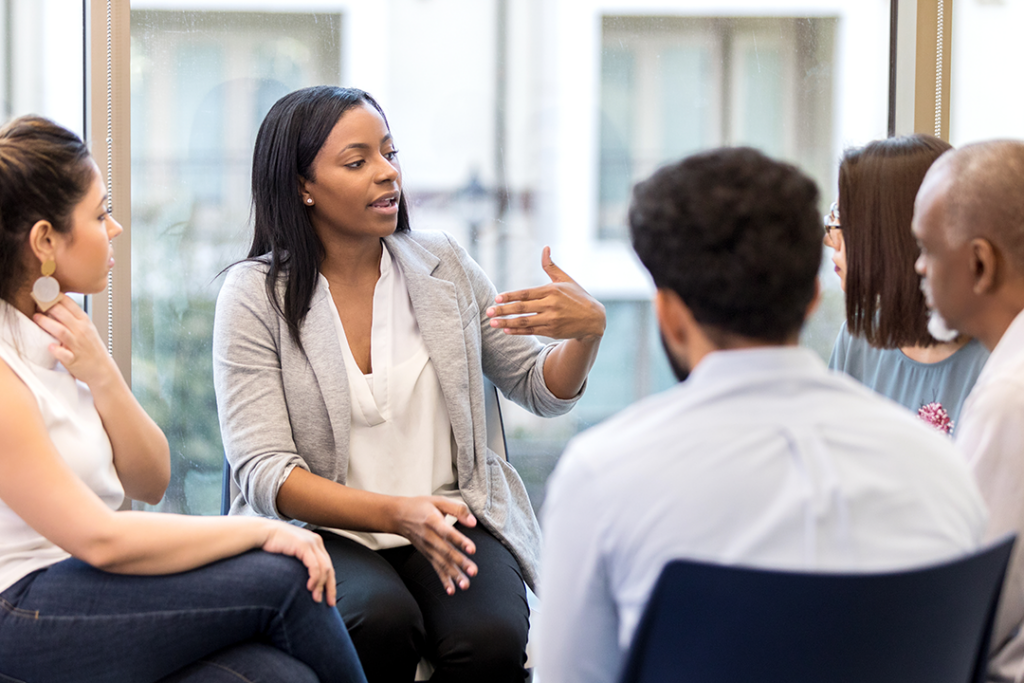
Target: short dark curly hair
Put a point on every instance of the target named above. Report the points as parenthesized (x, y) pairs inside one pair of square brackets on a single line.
[(737, 236)]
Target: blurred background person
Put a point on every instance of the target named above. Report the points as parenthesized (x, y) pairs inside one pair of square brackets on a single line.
[(889, 342)]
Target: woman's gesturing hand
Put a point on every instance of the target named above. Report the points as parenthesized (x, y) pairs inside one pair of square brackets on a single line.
[(422, 520), (560, 310), (308, 548), (79, 347)]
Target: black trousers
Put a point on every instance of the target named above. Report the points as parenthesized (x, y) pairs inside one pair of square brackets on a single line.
[(397, 611)]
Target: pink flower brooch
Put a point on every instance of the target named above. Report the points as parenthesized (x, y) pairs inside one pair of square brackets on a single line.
[(934, 414)]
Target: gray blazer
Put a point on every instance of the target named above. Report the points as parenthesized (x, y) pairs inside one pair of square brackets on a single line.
[(282, 407)]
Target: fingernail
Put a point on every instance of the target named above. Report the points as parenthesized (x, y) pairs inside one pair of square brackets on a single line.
[(494, 323), (463, 584), (498, 299), (490, 311), (450, 590)]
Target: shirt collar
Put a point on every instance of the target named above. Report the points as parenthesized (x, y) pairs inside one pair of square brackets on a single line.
[(746, 364), (27, 338), (1009, 348)]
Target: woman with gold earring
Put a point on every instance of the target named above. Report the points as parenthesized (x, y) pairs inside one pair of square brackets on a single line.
[(180, 598)]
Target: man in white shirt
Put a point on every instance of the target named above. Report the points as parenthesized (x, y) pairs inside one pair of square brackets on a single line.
[(969, 221), (762, 457)]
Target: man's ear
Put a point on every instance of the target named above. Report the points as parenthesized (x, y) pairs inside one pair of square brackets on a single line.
[(42, 240), (984, 265), (672, 316)]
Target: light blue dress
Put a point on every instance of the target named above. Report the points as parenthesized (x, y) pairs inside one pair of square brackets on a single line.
[(934, 391)]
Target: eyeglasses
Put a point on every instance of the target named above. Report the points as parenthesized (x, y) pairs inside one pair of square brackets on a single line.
[(832, 220)]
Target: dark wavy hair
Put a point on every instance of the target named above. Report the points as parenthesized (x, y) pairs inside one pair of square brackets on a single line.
[(737, 236), (45, 171), (288, 141), (877, 186)]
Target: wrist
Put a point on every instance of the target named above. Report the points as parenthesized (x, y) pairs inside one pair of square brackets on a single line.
[(106, 378), (391, 515), (263, 528)]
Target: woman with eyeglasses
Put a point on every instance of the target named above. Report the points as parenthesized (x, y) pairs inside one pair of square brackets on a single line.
[(890, 341), (89, 593)]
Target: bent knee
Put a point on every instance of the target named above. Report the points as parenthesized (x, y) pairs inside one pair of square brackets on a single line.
[(385, 614), (494, 645)]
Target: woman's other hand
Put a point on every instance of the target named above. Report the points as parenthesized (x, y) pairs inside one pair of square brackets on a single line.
[(79, 347), (561, 309), (308, 548), (422, 520)]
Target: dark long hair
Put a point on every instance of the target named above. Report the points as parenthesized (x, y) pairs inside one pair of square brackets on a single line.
[(45, 171), (288, 141), (877, 186)]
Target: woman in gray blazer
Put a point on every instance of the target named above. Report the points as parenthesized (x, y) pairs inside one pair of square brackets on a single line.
[(432, 535)]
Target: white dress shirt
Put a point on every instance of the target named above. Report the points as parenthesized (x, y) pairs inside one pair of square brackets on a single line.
[(73, 426), (991, 436), (401, 440), (762, 458)]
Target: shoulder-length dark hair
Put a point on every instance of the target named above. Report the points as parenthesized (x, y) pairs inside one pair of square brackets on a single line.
[(877, 186), (45, 171), (288, 141)]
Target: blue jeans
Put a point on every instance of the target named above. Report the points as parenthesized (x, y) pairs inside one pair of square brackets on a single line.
[(71, 622)]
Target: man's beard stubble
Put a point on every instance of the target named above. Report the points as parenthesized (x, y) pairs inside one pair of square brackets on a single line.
[(678, 370), (937, 325)]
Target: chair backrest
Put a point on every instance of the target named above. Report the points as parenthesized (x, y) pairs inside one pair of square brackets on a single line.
[(495, 441), (709, 623)]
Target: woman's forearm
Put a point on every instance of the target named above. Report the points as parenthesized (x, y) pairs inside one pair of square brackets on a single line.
[(141, 453), (567, 366), (148, 543), (314, 499)]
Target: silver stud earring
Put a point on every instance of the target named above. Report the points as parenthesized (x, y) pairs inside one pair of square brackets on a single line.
[(309, 200)]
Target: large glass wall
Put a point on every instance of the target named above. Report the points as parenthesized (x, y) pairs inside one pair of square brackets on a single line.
[(521, 123), (986, 42), (201, 84), (42, 67)]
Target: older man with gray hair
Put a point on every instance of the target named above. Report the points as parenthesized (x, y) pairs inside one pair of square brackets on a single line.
[(969, 222)]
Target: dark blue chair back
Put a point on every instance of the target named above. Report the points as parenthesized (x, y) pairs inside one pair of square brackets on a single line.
[(708, 623)]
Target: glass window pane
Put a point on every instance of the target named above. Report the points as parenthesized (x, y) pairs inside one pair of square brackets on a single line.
[(986, 45), (43, 68), (521, 123), (201, 84)]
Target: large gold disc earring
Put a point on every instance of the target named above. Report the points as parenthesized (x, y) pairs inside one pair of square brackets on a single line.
[(46, 289)]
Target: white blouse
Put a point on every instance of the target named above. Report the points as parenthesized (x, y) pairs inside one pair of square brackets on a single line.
[(401, 441), (75, 429)]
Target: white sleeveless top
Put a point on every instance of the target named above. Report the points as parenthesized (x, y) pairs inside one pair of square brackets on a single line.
[(400, 440), (75, 429)]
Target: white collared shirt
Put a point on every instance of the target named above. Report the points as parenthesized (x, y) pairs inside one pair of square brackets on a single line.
[(73, 426), (763, 458), (991, 437), (401, 440)]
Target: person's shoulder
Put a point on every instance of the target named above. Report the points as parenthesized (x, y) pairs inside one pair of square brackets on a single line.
[(624, 436), (245, 274), (437, 242), (853, 355), (1001, 393)]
